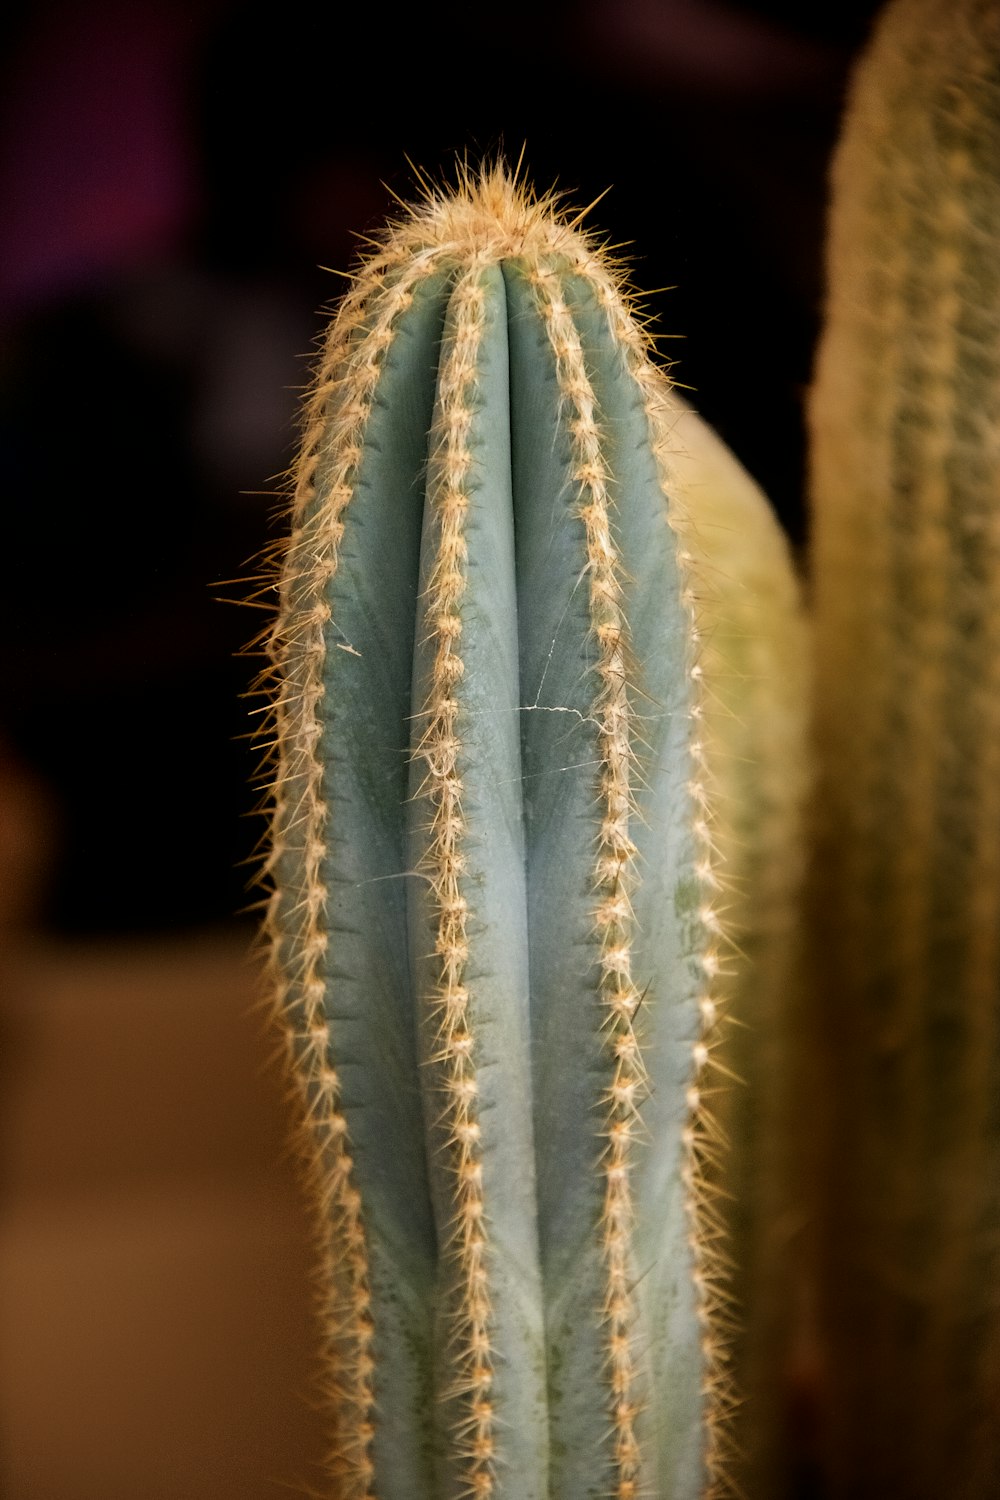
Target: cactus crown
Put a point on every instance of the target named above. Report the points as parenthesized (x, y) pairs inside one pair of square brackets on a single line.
[(487, 216)]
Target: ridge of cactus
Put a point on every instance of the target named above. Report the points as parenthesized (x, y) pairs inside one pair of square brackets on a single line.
[(496, 919), (905, 418)]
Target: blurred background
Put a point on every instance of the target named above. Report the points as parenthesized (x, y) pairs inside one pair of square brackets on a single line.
[(177, 184)]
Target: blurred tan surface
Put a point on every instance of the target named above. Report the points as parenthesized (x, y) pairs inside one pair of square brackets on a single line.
[(155, 1334)]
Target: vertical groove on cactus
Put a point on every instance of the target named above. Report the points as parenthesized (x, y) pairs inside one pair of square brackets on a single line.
[(905, 417), (497, 913)]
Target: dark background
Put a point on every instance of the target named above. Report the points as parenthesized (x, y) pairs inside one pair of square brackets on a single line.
[(172, 177)]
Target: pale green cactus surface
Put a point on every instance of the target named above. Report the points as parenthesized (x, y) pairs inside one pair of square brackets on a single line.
[(539, 668)]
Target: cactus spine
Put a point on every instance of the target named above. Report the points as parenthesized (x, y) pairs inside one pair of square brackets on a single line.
[(497, 917), (906, 430)]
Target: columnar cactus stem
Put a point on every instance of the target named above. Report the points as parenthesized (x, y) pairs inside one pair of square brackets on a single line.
[(906, 425), (750, 747), (497, 912)]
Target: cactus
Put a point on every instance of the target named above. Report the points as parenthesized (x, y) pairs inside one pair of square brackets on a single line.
[(906, 433), (503, 792), (755, 659)]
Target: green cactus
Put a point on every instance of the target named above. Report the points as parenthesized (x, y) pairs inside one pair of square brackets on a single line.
[(509, 656), (756, 662), (906, 1047)]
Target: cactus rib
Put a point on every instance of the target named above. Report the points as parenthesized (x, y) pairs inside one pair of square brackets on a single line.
[(299, 817), (439, 751), (614, 873)]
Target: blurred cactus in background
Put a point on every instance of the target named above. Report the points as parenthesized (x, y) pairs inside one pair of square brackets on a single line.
[(595, 1106), (905, 959)]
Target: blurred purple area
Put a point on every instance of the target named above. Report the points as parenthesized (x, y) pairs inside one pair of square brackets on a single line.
[(98, 171), (173, 178), (704, 47)]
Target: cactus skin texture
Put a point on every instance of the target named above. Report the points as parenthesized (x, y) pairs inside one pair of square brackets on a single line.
[(498, 912), (906, 484)]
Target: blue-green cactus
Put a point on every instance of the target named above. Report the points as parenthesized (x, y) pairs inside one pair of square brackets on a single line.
[(499, 913)]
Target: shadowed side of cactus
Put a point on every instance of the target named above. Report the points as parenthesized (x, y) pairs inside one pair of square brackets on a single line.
[(906, 480), (496, 914), (755, 659)]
